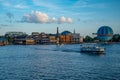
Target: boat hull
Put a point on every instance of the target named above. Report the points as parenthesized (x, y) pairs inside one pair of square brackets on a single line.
[(92, 51)]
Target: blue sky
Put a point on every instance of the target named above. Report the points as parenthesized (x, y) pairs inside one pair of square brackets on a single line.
[(85, 16)]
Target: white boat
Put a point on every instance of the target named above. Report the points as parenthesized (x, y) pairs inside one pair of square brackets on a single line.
[(92, 48)]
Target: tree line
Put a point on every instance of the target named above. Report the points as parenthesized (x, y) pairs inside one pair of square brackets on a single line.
[(115, 38)]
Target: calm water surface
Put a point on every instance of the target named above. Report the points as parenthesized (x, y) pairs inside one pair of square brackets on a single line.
[(51, 62)]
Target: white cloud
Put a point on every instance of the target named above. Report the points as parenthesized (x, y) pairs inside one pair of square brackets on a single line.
[(36, 17), (52, 20), (39, 17), (69, 20), (64, 20)]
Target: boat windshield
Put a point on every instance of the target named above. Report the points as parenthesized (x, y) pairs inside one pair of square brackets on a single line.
[(90, 45)]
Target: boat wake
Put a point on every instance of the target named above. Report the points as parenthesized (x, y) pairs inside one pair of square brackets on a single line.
[(68, 48), (63, 48)]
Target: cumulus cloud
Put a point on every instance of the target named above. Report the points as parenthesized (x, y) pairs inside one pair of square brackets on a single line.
[(64, 20), (36, 17), (39, 17), (52, 20), (69, 20)]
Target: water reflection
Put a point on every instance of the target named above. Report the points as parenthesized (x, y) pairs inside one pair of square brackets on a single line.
[(93, 54)]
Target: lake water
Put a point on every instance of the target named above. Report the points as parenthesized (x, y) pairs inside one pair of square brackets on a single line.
[(51, 62)]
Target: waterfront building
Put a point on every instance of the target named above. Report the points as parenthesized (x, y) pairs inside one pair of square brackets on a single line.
[(35, 34), (81, 39), (52, 38), (36, 37), (44, 38), (23, 40), (19, 40), (65, 37), (70, 38), (3, 41), (29, 41), (76, 38)]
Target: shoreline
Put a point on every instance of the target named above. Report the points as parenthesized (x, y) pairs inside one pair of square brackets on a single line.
[(70, 44)]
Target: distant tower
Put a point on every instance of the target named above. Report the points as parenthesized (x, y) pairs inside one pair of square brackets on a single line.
[(57, 32), (74, 31), (57, 36)]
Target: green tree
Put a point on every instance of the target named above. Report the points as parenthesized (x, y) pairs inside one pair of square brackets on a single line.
[(1, 36), (116, 38), (10, 40), (88, 39)]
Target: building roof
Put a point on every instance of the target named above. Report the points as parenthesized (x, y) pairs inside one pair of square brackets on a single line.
[(35, 33), (66, 33)]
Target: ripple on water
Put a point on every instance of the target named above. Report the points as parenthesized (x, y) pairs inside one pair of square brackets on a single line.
[(51, 62)]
